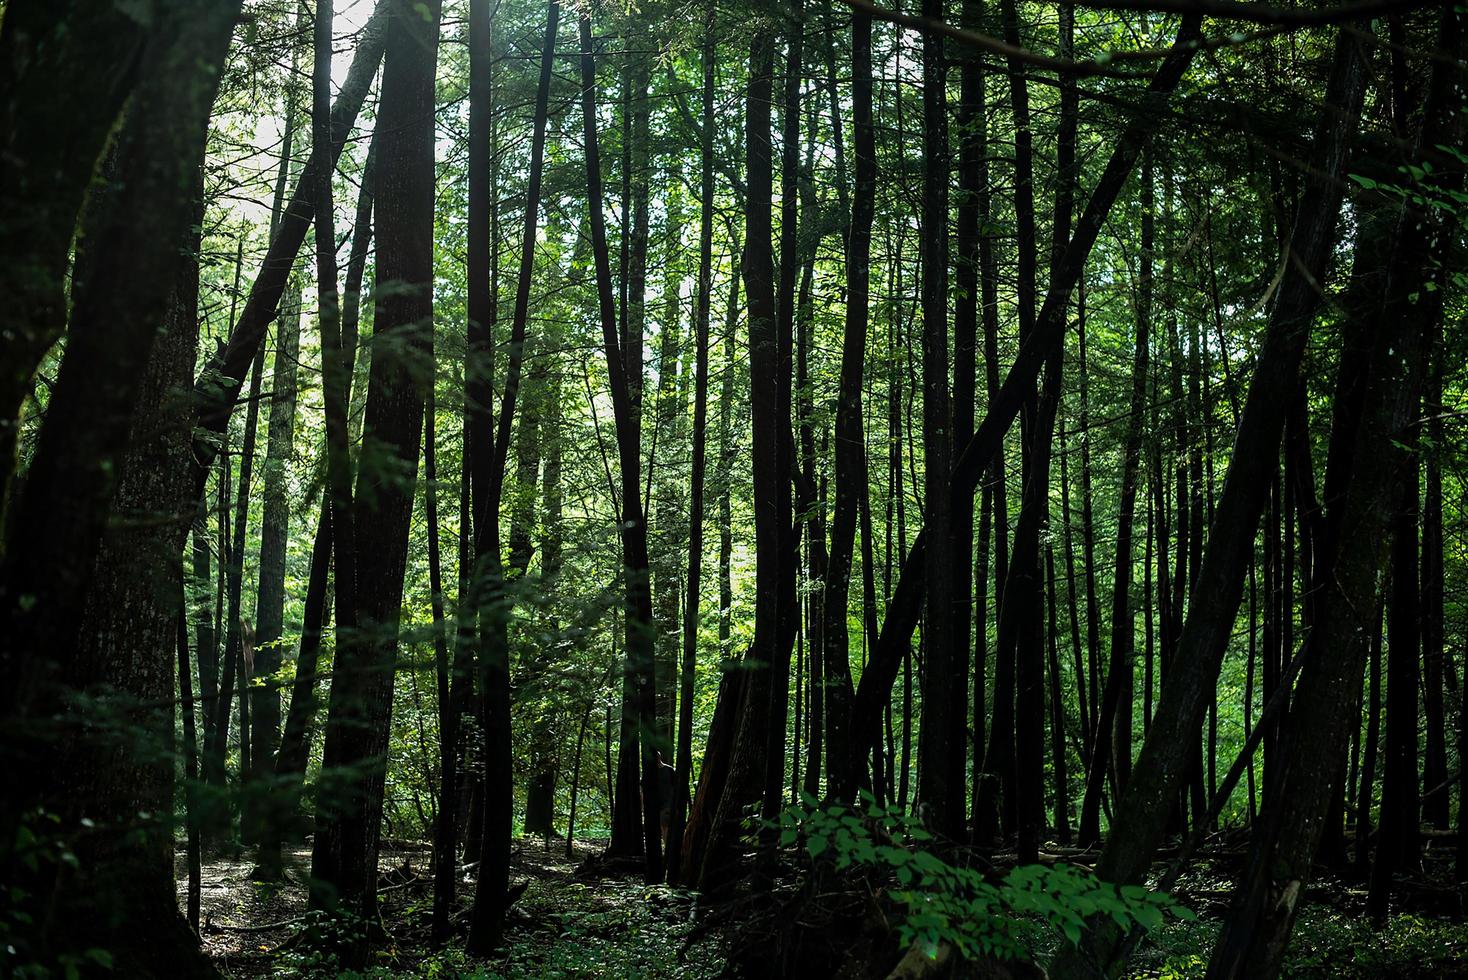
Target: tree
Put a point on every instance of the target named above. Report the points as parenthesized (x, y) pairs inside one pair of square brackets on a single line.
[(344, 856), (105, 610), (491, 891), (1141, 814)]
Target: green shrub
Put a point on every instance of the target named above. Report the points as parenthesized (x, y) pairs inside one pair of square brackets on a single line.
[(944, 904)]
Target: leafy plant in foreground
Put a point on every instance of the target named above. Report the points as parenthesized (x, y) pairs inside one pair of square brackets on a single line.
[(945, 904)]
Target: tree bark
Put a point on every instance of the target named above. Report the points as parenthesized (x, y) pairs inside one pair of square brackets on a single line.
[(107, 487), (638, 737), (486, 924), (344, 857), (850, 459), (1123, 623), (684, 771), (750, 752), (47, 163)]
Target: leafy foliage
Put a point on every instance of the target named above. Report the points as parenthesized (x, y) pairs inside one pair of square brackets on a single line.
[(948, 904)]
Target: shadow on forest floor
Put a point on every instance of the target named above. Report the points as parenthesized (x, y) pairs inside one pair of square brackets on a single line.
[(585, 918), (571, 921)]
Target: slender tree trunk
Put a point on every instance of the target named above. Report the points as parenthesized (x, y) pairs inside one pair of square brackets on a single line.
[(684, 773), (1366, 794), (940, 752), (261, 815), (638, 683), (190, 772), (486, 924), (339, 347), (637, 738), (843, 769), (1112, 745), (1057, 715), (1436, 785), (1398, 846)]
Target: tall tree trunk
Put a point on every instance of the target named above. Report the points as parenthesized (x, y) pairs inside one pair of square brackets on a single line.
[(1398, 846), (339, 349), (98, 548), (714, 771), (260, 812), (941, 749), (344, 857), (638, 682), (1115, 720), (636, 741), (677, 818), (187, 705), (1057, 714), (842, 769), (1436, 787), (785, 565), (491, 890), (1366, 793), (748, 760)]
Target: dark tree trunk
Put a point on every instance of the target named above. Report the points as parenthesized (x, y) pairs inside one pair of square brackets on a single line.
[(842, 768), (785, 566), (339, 348), (344, 857), (491, 890), (187, 706), (638, 681), (1366, 791), (683, 775), (636, 738), (46, 166), (749, 755), (482, 308), (1436, 785), (941, 749), (1112, 745), (96, 549), (1398, 847), (260, 813), (715, 768), (108, 487), (1057, 714)]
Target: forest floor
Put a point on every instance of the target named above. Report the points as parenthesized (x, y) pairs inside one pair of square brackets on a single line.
[(580, 917), (570, 921)]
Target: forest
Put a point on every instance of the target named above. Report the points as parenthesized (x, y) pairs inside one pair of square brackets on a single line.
[(733, 488)]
